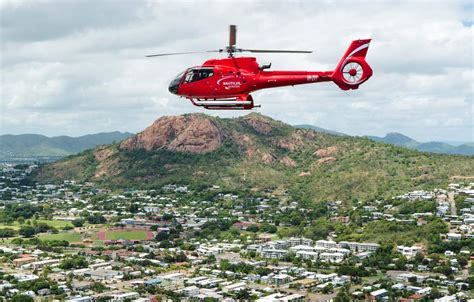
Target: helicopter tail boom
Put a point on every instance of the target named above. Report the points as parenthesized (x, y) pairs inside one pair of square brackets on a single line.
[(353, 69)]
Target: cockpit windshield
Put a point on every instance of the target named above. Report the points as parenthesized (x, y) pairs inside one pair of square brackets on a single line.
[(178, 78), (197, 74), (173, 88)]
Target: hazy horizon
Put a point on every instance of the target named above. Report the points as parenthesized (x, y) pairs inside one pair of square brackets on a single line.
[(453, 143)]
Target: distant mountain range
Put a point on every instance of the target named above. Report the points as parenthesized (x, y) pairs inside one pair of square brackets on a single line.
[(39, 147), (401, 140), (434, 147), (35, 146)]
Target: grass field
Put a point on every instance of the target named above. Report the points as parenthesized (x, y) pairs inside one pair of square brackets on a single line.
[(54, 223), (70, 237), (7, 240), (14, 226), (128, 235)]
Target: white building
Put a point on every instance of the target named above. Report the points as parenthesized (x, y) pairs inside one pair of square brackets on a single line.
[(281, 279), (282, 298), (103, 274), (40, 264), (327, 244), (234, 287), (151, 209), (305, 248), (447, 299), (324, 278), (189, 291), (360, 246), (454, 236), (273, 253), (407, 276), (124, 296), (299, 241), (307, 255), (408, 251), (331, 257)]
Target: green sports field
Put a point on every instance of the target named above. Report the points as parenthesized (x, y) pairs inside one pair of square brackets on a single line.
[(126, 235), (70, 237)]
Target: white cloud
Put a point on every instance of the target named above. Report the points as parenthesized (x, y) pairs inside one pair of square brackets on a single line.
[(75, 67)]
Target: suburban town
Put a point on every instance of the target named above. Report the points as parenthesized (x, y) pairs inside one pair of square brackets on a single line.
[(78, 242)]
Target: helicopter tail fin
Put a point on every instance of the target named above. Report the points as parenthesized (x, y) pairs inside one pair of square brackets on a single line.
[(353, 70)]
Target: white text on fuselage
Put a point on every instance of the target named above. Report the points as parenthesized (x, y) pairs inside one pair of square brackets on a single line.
[(229, 83)]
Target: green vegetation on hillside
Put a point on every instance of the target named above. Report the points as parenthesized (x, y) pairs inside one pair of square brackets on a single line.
[(346, 168)]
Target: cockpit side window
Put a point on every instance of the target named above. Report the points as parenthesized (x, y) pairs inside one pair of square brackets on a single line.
[(197, 74)]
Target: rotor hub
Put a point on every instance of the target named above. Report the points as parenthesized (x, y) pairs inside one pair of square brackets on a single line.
[(352, 73)]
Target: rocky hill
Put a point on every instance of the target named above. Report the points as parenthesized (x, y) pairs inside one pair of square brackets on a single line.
[(192, 133), (255, 152)]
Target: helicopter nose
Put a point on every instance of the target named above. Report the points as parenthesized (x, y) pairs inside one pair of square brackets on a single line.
[(173, 88)]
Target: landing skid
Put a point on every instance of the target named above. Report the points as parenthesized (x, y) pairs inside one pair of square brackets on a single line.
[(244, 102)]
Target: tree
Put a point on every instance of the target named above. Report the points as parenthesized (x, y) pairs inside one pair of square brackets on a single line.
[(462, 260), (181, 257), (96, 219), (470, 281), (419, 257), (343, 295), (25, 210), (78, 222), (269, 228), (133, 208), (22, 298), (168, 216), (98, 287), (346, 269), (46, 271), (76, 262), (242, 295), (328, 289), (43, 227), (27, 231), (161, 236), (211, 259), (7, 232), (435, 294), (252, 228)]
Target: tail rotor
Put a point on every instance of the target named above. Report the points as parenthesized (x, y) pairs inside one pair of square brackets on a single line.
[(353, 69)]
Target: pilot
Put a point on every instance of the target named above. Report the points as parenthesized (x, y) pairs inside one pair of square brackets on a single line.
[(195, 76)]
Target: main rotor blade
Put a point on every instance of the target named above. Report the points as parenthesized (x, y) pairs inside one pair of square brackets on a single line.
[(180, 53), (232, 35), (275, 51)]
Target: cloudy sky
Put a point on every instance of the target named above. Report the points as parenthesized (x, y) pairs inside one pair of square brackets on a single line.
[(79, 67)]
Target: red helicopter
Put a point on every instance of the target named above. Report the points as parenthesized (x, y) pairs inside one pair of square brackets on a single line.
[(227, 83)]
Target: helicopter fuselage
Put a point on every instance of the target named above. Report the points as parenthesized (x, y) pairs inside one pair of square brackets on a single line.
[(236, 78), (242, 75), (227, 83)]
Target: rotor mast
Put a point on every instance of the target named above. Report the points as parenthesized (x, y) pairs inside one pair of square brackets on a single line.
[(232, 40)]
